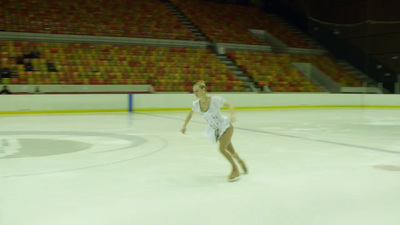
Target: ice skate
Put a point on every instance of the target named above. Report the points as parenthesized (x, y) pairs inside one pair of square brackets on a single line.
[(234, 176)]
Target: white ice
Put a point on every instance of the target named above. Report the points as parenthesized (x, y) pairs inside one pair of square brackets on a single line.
[(306, 167)]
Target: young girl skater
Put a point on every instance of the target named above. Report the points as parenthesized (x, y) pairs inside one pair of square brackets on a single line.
[(219, 127)]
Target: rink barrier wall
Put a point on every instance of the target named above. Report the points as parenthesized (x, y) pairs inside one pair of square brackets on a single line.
[(76, 103)]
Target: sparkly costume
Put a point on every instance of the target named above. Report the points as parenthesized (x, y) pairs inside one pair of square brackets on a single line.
[(217, 123)]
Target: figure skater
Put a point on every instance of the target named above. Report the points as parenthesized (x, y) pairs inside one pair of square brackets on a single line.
[(219, 126)]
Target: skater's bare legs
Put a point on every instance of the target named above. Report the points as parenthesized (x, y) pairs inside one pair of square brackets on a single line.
[(232, 151), (224, 142)]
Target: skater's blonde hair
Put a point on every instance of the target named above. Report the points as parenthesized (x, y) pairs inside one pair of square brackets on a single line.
[(201, 84)]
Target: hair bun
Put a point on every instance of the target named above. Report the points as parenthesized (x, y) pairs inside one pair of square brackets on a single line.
[(201, 84)]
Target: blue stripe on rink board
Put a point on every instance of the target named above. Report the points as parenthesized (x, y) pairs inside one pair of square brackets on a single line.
[(130, 103)]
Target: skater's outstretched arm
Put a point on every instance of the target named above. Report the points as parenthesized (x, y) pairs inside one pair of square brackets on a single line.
[(188, 117)]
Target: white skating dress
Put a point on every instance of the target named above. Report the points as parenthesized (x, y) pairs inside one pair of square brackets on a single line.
[(217, 123)]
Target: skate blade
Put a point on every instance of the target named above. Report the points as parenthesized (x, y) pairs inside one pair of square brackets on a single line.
[(234, 179)]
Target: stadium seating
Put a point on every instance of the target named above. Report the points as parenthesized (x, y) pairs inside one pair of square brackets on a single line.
[(231, 23), (166, 68), (142, 19), (275, 70)]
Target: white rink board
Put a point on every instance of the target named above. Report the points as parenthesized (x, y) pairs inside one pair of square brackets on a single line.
[(27, 103)]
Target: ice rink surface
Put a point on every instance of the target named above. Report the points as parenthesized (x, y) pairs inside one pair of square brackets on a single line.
[(321, 166)]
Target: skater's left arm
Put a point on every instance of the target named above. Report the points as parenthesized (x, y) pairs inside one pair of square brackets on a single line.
[(231, 110), (188, 117)]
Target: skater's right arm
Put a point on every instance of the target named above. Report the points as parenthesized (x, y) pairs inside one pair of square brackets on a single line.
[(188, 117)]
